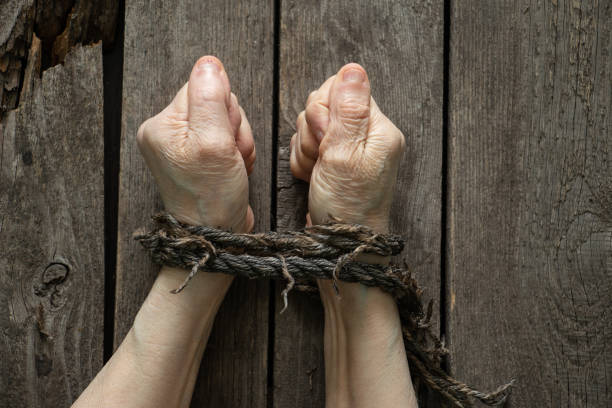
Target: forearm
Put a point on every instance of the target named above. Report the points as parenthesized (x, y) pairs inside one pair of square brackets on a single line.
[(157, 363), (365, 359)]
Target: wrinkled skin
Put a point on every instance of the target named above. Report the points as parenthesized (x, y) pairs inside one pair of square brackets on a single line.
[(348, 150), (200, 150)]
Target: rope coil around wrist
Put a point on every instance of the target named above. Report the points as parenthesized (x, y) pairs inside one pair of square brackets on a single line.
[(318, 252)]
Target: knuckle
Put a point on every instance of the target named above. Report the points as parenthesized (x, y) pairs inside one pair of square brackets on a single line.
[(296, 170), (314, 112), (300, 119), (311, 96), (308, 147), (353, 111), (248, 150), (250, 160), (146, 134), (292, 142), (398, 141), (142, 134)]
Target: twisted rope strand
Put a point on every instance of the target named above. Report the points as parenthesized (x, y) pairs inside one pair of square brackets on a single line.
[(319, 252)]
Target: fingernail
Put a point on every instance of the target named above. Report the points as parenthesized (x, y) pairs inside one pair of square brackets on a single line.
[(209, 67), (353, 75)]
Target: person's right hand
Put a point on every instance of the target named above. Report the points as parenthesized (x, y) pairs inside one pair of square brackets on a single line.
[(348, 150)]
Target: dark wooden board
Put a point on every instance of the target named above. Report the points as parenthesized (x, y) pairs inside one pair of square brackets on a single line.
[(52, 233), (162, 42), (530, 199), (400, 44), (60, 24), (16, 25)]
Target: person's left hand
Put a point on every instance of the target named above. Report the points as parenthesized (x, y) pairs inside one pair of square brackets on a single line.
[(200, 149)]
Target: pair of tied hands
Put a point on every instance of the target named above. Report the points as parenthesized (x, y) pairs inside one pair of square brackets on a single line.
[(200, 150)]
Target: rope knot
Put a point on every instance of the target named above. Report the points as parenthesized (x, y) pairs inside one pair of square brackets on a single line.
[(328, 251)]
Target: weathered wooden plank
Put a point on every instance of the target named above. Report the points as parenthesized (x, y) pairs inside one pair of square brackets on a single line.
[(16, 25), (51, 233), (400, 44), (530, 199), (162, 42), (60, 24)]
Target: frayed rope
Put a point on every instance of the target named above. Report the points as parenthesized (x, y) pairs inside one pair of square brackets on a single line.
[(326, 251)]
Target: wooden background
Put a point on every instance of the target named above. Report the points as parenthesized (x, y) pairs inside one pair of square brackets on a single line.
[(504, 195)]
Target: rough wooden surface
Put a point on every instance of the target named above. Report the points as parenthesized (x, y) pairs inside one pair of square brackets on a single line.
[(162, 42), (400, 44), (16, 25), (63, 23), (51, 218), (59, 24), (530, 199)]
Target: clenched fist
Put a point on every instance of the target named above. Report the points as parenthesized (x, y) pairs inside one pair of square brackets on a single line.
[(350, 153), (200, 149), (348, 150)]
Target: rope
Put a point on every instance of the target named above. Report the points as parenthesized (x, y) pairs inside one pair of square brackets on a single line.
[(319, 252)]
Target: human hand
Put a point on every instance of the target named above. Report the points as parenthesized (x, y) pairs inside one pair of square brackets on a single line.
[(200, 149), (350, 153), (348, 150)]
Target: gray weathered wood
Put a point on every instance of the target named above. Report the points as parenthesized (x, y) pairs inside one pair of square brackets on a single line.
[(162, 42), (16, 25), (51, 233), (530, 199), (60, 24), (401, 46)]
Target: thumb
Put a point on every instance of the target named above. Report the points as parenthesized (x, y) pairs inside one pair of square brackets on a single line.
[(349, 105)]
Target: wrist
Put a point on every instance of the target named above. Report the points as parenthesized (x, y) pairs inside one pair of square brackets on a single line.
[(189, 311), (240, 224), (359, 306)]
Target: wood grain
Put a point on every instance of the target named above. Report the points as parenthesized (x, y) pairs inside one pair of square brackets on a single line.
[(162, 42), (60, 24), (51, 233), (530, 199), (400, 44), (16, 26)]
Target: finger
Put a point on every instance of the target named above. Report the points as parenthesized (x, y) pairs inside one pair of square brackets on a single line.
[(245, 141), (349, 104), (305, 162), (235, 117), (317, 109), (209, 99), (296, 169), (250, 220), (309, 145), (180, 103)]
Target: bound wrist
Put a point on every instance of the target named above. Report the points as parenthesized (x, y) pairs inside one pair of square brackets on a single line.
[(218, 218)]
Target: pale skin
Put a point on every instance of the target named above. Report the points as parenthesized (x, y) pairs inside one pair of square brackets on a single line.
[(200, 150)]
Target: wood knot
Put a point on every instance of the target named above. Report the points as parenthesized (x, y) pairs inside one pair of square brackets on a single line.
[(51, 282), (55, 273)]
